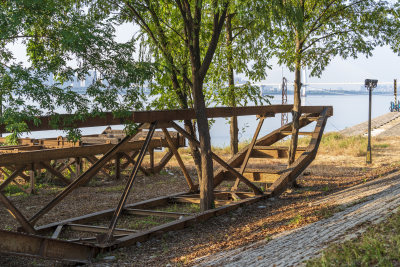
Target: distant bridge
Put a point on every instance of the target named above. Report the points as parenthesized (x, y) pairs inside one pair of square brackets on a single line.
[(321, 83), (313, 85)]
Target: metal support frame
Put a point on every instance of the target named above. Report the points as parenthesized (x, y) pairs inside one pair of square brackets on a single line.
[(248, 153), (192, 187), (128, 186), (82, 250)]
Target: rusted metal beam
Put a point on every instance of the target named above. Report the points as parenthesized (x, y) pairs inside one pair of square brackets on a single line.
[(118, 166), (164, 116), (303, 161), (158, 167), (219, 160), (192, 187), (248, 153), (267, 140), (54, 172), (197, 200), (131, 160), (97, 229), (155, 213), (128, 186), (38, 246), (92, 160), (146, 204), (12, 177), (71, 152), (184, 222), (17, 214), (88, 174)]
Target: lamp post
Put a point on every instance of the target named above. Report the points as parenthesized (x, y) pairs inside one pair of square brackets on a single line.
[(370, 85)]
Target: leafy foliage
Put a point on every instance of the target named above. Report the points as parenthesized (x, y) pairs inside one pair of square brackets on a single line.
[(326, 29), (56, 33)]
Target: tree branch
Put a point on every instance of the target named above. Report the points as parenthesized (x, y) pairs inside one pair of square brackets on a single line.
[(313, 26), (217, 28), (324, 37), (330, 16)]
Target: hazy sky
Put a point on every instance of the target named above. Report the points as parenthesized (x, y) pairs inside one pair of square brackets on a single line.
[(384, 65)]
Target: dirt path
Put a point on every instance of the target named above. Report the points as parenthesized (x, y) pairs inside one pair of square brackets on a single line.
[(370, 202)]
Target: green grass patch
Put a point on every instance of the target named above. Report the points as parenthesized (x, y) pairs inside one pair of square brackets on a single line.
[(378, 246), (325, 188), (296, 220), (181, 207), (147, 222), (328, 212), (14, 190), (358, 201), (380, 145), (336, 143)]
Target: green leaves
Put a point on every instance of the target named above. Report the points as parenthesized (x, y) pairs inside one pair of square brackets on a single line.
[(314, 31), (56, 33)]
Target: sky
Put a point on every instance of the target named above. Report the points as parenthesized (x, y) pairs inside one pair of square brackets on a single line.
[(384, 65)]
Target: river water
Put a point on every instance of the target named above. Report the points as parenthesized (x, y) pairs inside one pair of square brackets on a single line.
[(348, 110)]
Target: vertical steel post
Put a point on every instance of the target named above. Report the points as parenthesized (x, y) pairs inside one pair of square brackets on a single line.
[(395, 95), (369, 154), (284, 116)]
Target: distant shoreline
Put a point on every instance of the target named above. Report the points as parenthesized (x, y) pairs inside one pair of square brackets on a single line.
[(333, 92)]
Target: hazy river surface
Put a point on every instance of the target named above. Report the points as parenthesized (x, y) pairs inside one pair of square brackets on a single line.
[(348, 110)]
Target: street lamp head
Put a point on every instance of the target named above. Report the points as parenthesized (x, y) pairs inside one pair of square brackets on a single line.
[(371, 84)]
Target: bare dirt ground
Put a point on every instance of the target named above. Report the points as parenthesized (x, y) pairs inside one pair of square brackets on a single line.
[(333, 171), (356, 207)]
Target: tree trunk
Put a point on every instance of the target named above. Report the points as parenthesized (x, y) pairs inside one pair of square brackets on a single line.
[(296, 113), (234, 131), (183, 101), (189, 127), (207, 174), (199, 71)]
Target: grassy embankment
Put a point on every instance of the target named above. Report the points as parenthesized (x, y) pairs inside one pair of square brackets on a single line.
[(332, 143), (379, 245)]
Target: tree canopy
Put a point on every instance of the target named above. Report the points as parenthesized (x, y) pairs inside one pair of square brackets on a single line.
[(55, 34), (315, 32), (310, 33)]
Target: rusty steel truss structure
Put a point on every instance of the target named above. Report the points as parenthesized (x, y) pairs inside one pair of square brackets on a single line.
[(44, 241), (61, 158)]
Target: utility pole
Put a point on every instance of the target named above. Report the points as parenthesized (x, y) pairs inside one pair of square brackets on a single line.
[(395, 94), (284, 116), (304, 87), (370, 85)]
